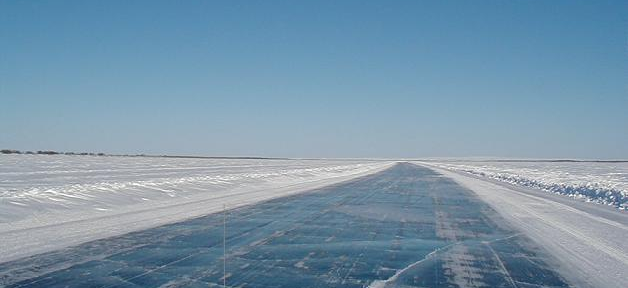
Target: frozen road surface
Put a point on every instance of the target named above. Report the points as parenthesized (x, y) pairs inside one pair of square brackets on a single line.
[(406, 226)]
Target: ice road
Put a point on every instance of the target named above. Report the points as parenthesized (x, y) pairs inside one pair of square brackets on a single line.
[(406, 226)]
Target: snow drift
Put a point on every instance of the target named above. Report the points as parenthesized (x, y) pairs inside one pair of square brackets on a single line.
[(599, 182)]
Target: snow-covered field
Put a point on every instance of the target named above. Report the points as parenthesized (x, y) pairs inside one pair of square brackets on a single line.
[(48, 202), (600, 182)]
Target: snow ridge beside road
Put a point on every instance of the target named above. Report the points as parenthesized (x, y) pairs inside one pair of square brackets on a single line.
[(600, 182)]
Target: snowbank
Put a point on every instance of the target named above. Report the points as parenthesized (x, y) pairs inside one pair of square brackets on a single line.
[(599, 182)]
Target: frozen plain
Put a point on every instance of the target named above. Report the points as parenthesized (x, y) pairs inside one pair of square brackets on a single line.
[(406, 226), (587, 243)]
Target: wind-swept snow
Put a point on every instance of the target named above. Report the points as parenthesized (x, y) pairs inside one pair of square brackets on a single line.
[(49, 202), (600, 182)]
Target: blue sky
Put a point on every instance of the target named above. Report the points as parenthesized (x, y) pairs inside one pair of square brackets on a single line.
[(540, 79)]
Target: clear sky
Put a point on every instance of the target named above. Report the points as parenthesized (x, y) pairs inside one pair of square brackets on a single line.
[(317, 78)]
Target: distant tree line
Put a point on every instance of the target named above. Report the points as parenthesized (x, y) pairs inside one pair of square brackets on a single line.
[(50, 152)]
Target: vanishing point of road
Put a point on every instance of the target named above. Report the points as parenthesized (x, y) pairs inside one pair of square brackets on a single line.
[(407, 226)]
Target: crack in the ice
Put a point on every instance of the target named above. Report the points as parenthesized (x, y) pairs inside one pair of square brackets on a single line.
[(383, 283)]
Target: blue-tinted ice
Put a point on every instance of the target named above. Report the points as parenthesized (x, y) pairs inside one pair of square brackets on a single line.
[(403, 227)]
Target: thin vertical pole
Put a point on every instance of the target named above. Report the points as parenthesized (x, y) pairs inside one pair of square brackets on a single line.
[(224, 246)]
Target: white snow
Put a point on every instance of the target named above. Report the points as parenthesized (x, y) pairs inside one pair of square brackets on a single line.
[(589, 247), (52, 201), (600, 182)]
